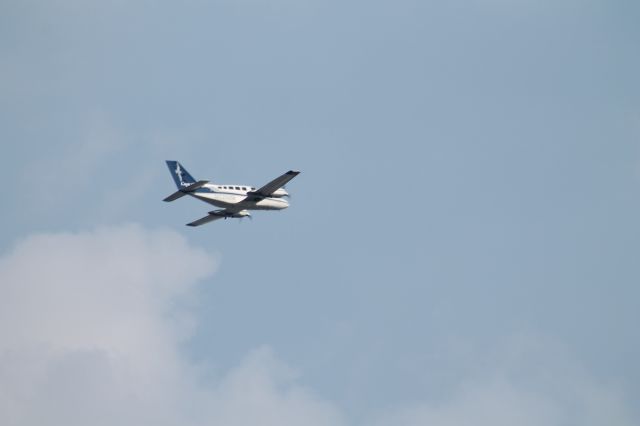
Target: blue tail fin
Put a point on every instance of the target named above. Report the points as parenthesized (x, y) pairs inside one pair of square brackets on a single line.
[(180, 175)]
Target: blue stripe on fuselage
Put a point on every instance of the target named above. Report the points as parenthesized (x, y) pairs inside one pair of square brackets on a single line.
[(210, 191)]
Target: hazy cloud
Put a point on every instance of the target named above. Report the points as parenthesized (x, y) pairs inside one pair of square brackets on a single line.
[(92, 325), (500, 401), (528, 380)]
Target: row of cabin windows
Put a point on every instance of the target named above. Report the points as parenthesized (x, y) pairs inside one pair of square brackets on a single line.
[(238, 188)]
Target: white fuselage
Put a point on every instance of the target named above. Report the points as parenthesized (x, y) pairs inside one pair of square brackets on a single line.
[(226, 196)]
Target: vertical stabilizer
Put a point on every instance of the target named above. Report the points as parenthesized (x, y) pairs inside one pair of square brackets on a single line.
[(180, 175)]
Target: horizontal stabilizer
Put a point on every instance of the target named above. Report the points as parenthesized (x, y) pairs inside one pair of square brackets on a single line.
[(194, 186), (184, 191), (175, 196)]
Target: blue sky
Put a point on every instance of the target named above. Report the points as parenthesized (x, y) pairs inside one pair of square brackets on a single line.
[(463, 234)]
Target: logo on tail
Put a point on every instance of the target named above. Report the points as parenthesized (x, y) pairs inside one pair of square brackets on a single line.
[(179, 174)]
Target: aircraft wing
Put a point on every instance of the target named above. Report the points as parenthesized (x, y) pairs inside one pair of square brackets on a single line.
[(272, 186), (214, 215), (208, 218)]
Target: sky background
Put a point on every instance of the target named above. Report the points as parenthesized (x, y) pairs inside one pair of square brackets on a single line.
[(462, 245)]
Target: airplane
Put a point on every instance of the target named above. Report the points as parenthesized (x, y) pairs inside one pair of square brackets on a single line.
[(234, 200)]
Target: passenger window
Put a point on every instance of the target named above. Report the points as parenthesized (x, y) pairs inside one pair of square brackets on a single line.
[(244, 189), (238, 188)]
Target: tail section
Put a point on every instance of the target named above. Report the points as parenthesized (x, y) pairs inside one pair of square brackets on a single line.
[(184, 181), (180, 175)]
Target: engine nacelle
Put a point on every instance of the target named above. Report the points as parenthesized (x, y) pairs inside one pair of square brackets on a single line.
[(279, 193), (225, 214), (240, 214)]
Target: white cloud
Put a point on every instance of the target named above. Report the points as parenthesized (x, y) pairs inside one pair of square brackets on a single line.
[(529, 381), (500, 402), (92, 326), (263, 391)]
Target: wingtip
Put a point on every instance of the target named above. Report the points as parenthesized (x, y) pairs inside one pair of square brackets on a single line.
[(293, 172)]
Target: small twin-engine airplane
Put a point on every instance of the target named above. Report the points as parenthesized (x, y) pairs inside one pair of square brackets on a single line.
[(234, 200)]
